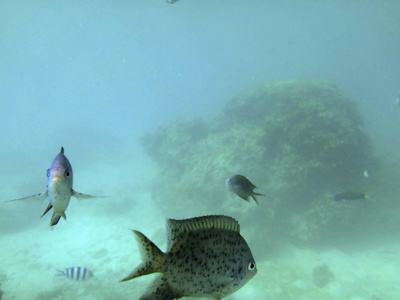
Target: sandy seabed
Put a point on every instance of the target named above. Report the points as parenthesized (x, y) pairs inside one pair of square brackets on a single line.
[(97, 235)]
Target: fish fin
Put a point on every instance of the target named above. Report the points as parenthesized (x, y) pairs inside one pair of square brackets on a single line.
[(56, 217), (160, 289), (40, 196), (60, 272), (50, 206), (246, 198), (151, 255), (255, 199), (82, 196), (258, 194), (175, 228)]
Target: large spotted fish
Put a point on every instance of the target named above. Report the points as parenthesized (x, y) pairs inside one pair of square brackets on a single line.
[(206, 257), (59, 188)]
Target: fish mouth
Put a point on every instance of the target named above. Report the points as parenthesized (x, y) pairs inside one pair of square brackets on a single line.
[(55, 180), (57, 184)]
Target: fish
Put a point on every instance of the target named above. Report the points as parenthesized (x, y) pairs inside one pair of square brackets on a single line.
[(76, 273), (59, 188), (242, 187), (344, 196), (172, 1), (206, 257)]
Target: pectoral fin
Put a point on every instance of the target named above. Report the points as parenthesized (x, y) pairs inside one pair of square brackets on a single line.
[(40, 196), (82, 196)]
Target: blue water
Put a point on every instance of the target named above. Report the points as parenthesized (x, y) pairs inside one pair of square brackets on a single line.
[(95, 76)]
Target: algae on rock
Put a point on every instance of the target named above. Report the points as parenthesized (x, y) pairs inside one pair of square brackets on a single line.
[(297, 140)]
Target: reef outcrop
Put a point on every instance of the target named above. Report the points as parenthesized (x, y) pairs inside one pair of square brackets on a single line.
[(300, 142)]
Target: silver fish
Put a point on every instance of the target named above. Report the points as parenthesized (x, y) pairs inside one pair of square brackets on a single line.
[(172, 1), (59, 188), (76, 273), (242, 187), (206, 257)]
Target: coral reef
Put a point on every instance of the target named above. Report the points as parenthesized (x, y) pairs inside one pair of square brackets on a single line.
[(298, 141)]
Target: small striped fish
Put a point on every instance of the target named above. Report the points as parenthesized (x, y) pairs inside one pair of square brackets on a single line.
[(76, 273)]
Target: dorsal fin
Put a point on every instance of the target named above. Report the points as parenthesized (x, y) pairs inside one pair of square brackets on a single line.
[(175, 228)]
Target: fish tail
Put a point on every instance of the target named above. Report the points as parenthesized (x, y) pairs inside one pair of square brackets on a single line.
[(60, 272), (151, 255), (56, 217), (258, 194), (255, 199)]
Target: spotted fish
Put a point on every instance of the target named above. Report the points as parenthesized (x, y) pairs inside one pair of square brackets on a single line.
[(206, 257), (76, 273), (59, 188), (242, 187)]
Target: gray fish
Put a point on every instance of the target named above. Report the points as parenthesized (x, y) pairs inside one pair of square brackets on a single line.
[(76, 273), (344, 196), (59, 188), (206, 257), (242, 187), (172, 1)]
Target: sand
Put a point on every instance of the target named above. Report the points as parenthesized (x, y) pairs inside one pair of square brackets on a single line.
[(97, 236)]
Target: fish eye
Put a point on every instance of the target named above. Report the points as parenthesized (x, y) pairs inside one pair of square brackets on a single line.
[(251, 266), (66, 173)]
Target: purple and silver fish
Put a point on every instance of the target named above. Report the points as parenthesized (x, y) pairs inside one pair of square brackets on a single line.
[(59, 188)]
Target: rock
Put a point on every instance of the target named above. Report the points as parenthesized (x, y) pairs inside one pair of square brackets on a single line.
[(322, 275)]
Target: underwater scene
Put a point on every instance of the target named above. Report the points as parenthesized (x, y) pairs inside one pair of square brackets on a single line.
[(200, 149)]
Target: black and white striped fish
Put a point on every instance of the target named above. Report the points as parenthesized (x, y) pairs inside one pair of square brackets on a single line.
[(76, 273)]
